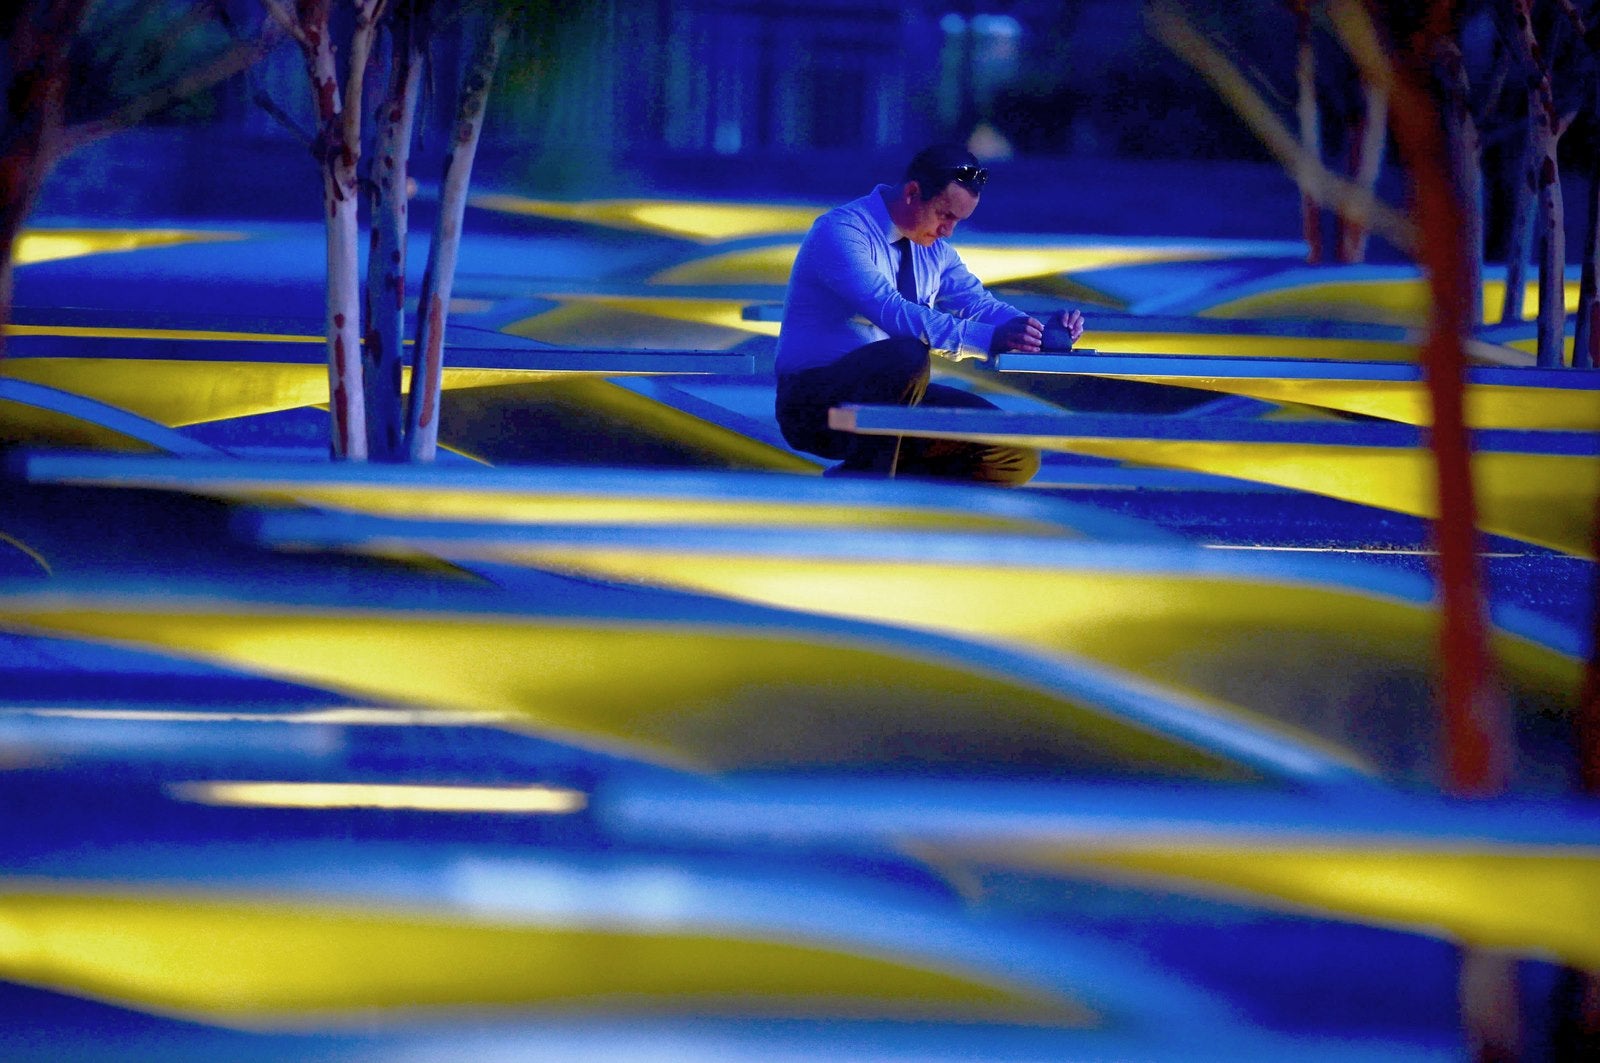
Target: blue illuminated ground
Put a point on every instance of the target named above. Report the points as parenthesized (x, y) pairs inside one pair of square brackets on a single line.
[(94, 735)]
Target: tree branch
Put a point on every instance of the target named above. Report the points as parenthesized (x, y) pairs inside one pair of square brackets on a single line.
[(234, 60), (289, 23), (1309, 172)]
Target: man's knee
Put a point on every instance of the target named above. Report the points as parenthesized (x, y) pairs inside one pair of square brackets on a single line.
[(901, 365)]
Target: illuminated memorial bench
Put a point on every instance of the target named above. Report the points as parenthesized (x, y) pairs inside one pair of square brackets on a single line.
[(676, 680), (1537, 486), (588, 496), (1522, 397), (35, 414), (178, 376), (334, 932), (1429, 864), (314, 927), (363, 937), (1240, 653)]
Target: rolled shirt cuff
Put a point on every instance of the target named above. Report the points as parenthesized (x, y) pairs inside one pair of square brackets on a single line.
[(973, 344)]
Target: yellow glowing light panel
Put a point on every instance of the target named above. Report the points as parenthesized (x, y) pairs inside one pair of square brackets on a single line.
[(1223, 344), (51, 245), (1393, 301), (1406, 401), (701, 697), (643, 321), (992, 263), (1533, 901), (176, 392), (1545, 499), (476, 422), (288, 963), (1303, 659), (556, 506), (28, 425), (523, 800), (704, 221)]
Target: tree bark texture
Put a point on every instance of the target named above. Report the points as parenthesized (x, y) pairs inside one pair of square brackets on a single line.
[(338, 150), (383, 352), (1524, 210), (1476, 722), (1476, 727), (1466, 163), (1544, 127), (427, 354), (1586, 333)]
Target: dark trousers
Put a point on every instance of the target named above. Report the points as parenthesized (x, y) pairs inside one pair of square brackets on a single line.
[(892, 372)]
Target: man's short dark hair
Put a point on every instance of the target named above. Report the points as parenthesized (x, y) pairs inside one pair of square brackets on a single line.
[(936, 166)]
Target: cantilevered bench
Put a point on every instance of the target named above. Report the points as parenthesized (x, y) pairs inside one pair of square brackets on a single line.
[(595, 497), (35, 414), (564, 944), (1516, 397), (1537, 486), (1433, 865), (684, 681), (1277, 648), (189, 376)]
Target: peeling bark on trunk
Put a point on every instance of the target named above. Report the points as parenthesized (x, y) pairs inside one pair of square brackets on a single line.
[(338, 149), (347, 428), (427, 356), (1545, 132), (383, 354), (1310, 126)]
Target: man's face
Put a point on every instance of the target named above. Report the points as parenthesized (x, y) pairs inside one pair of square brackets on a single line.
[(925, 221)]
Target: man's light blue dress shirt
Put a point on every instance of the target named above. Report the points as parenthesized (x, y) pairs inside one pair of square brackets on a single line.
[(842, 292)]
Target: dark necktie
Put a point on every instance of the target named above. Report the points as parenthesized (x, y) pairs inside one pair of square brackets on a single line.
[(905, 279)]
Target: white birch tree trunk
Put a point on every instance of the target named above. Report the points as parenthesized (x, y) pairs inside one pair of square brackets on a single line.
[(383, 352), (427, 356), (339, 151)]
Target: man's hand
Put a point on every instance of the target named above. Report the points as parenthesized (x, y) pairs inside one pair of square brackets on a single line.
[(1019, 334), (1063, 330), (1072, 321)]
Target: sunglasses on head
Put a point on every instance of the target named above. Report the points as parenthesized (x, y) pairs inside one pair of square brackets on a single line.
[(971, 177)]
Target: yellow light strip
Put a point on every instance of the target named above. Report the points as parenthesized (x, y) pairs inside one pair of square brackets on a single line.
[(340, 717), (702, 221), (641, 321), (51, 245), (423, 798), (103, 332)]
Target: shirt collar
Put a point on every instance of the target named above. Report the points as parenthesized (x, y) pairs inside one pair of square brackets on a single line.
[(878, 208)]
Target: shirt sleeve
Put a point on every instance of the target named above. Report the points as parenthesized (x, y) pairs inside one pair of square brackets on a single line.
[(854, 265), (962, 294)]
